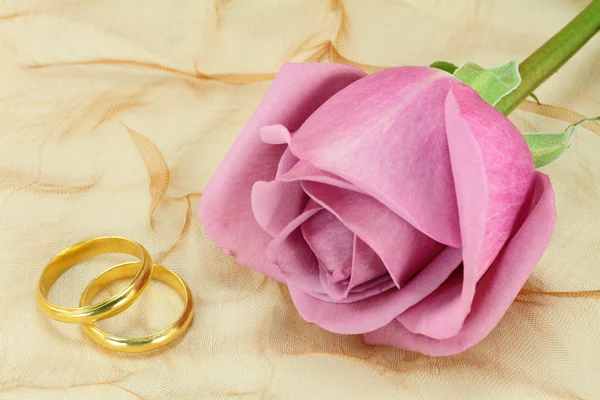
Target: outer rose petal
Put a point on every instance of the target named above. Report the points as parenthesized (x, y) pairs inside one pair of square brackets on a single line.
[(225, 209), (494, 177), (278, 134), (376, 311), (495, 291), (275, 134), (386, 135)]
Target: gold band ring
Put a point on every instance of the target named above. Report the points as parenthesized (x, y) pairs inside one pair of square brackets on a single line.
[(75, 254), (145, 343)]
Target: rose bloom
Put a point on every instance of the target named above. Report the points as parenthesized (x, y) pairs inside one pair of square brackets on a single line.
[(398, 205)]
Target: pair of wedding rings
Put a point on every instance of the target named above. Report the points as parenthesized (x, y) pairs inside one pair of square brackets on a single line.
[(139, 271)]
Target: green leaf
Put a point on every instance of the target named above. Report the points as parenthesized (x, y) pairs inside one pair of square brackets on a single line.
[(547, 147), (444, 66), (491, 84)]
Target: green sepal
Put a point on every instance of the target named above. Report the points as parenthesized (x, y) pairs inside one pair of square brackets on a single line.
[(547, 147), (444, 66), (491, 84)]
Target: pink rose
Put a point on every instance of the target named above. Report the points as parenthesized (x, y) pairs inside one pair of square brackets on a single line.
[(398, 205)]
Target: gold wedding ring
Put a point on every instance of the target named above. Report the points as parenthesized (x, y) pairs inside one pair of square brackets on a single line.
[(140, 272), (145, 343), (91, 248)]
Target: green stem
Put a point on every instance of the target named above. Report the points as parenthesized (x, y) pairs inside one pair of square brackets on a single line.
[(546, 60)]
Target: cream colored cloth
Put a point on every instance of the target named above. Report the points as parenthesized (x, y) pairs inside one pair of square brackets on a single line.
[(113, 116)]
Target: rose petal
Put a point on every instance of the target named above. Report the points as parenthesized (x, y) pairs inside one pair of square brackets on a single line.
[(286, 163), (497, 288), (494, 174), (305, 171), (494, 178), (225, 209), (386, 135), (377, 285), (294, 257), (369, 289), (403, 249), (366, 264), (334, 291), (376, 311), (275, 134), (332, 243), (275, 204), (369, 277)]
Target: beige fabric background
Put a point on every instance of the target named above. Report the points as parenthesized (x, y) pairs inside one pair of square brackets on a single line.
[(113, 116)]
